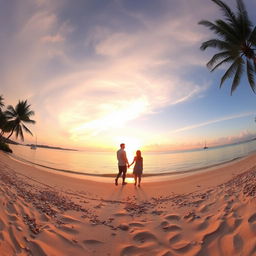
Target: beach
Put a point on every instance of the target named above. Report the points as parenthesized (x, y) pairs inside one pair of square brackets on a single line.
[(209, 213)]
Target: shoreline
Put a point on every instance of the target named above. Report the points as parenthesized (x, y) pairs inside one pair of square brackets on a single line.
[(169, 175)]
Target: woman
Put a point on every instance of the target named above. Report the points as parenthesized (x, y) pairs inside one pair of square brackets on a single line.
[(138, 167)]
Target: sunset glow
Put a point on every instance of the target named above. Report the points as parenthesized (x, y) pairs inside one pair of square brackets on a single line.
[(126, 71)]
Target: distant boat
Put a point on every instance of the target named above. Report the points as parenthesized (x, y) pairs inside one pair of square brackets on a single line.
[(34, 146), (205, 147)]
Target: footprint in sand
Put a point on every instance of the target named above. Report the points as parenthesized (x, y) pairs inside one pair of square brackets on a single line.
[(155, 212), (205, 207), (132, 250), (69, 220), (168, 253), (2, 225), (175, 238), (182, 247), (171, 228), (136, 224), (252, 222), (252, 219), (234, 223), (120, 214), (1, 236), (68, 230), (44, 217), (11, 209), (238, 243), (164, 223), (144, 236), (202, 225), (172, 217), (17, 245), (12, 217), (92, 242), (36, 249)]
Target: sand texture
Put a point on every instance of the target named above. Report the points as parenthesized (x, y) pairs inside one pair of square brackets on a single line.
[(207, 214)]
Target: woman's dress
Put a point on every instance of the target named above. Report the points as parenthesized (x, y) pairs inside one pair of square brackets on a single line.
[(137, 170)]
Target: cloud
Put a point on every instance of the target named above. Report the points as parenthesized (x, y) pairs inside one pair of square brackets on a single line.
[(226, 118), (53, 39), (101, 76), (242, 136)]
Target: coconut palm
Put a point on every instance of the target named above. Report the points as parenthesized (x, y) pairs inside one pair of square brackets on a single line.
[(236, 43), (17, 117)]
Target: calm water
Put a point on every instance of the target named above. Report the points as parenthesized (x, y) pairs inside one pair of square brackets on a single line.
[(99, 163)]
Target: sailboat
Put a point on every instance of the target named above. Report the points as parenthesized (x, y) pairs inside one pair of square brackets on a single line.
[(205, 147), (34, 146)]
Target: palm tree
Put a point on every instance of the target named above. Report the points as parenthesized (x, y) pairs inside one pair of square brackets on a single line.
[(16, 117), (236, 43)]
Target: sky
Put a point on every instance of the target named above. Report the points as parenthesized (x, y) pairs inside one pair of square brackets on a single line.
[(101, 72)]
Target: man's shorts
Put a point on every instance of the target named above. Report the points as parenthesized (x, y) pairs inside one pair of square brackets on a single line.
[(122, 169)]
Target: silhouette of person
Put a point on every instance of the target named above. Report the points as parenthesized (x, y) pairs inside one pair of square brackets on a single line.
[(122, 164), (138, 167)]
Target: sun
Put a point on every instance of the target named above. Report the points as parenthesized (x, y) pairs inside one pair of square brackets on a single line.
[(132, 144)]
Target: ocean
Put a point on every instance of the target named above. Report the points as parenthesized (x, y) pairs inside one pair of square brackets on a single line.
[(155, 163)]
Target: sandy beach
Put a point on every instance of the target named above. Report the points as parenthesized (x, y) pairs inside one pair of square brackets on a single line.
[(209, 213)]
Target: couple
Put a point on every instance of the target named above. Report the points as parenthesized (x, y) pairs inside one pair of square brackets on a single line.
[(123, 164)]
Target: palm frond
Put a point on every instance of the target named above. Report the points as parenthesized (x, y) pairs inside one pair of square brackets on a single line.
[(212, 27), (26, 129), (19, 132), (229, 33), (217, 57), (228, 59), (231, 70), (214, 43), (242, 13), (238, 74), (226, 11), (245, 25), (30, 113), (208, 24), (250, 75), (29, 121), (11, 109), (252, 37)]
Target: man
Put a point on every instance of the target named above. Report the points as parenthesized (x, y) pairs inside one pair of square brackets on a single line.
[(122, 163)]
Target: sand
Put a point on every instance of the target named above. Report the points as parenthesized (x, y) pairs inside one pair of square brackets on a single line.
[(209, 213)]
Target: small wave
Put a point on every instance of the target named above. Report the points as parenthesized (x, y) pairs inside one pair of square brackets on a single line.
[(111, 175)]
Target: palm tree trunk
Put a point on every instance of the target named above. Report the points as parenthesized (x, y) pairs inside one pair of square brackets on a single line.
[(9, 135)]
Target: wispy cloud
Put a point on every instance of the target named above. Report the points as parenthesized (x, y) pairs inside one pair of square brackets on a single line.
[(226, 118), (139, 69)]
